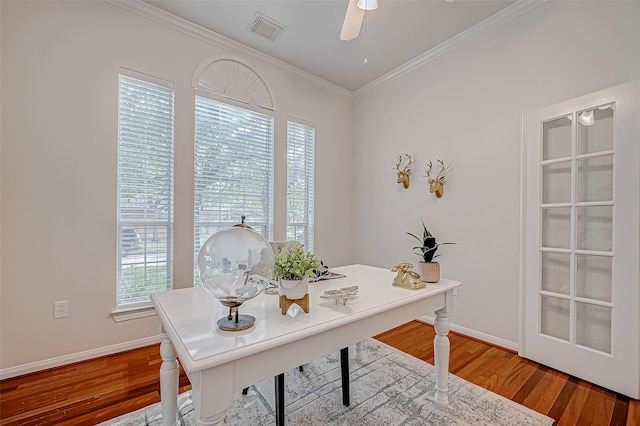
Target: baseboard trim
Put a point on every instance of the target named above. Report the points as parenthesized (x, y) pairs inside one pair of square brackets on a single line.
[(476, 335), (7, 373)]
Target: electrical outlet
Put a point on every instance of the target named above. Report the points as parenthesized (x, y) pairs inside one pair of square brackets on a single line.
[(60, 309), (456, 291)]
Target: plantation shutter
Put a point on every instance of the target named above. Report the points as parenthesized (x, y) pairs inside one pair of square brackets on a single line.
[(145, 188), (233, 169), (300, 182)]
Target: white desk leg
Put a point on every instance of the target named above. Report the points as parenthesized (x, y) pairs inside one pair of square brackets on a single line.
[(441, 348), (358, 351), (212, 395), (169, 375), (204, 419)]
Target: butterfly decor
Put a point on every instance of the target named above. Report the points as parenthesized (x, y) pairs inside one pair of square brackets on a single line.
[(342, 295)]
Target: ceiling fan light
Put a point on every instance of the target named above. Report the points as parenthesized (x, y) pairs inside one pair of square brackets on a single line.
[(368, 4)]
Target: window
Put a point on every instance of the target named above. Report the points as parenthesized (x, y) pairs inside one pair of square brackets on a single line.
[(300, 182), (233, 169), (145, 189)]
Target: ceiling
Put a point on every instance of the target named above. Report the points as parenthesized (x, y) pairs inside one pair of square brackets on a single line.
[(392, 35)]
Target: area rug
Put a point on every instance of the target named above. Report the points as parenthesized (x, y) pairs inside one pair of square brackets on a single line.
[(388, 388)]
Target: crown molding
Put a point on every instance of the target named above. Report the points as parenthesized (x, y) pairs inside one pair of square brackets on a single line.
[(189, 28), (494, 21), (186, 27)]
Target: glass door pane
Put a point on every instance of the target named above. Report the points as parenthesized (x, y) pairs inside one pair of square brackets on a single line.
[(556, 183), (595, 129), (593, 279), (593, 326), (556, 227), (576, 219), (595, 178), (556, 272), (595, 228), (555, 320), (556, 138)]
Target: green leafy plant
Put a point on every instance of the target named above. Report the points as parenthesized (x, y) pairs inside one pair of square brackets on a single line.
[(294, 264), (428, 246)]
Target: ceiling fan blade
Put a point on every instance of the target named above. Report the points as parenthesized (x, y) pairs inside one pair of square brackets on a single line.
[(352, 21)]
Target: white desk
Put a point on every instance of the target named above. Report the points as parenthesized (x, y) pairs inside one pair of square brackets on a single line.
[(219, 363)]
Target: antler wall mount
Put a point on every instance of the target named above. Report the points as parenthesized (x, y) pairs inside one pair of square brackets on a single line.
[(436, 184), (405, 172)]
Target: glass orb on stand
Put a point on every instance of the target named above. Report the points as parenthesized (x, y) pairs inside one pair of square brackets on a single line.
[(235, 265)]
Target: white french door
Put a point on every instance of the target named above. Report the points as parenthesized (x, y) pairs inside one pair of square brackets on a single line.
[(581, 220)]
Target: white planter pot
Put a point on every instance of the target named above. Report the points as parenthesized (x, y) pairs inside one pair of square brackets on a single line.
[(429, 272), (294, 289)]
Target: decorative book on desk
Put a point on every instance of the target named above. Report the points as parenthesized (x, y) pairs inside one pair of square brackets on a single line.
[(328, 275)]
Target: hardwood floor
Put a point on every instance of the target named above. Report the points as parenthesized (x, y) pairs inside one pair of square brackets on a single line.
[(566, 399), (93, 391)]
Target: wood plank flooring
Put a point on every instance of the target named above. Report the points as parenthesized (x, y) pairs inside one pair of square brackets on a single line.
[(87, 393), (566, 399)]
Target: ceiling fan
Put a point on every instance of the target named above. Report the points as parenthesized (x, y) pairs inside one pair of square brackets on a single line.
[(354, 16)]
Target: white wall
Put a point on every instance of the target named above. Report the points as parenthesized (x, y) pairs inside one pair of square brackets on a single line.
[(59, 145), (58, 158), (465, 107)]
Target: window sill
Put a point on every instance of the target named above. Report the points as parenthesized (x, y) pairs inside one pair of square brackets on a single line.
[(126, 314)]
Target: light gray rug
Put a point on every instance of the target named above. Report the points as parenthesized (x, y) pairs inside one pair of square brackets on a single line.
[(389, 388)]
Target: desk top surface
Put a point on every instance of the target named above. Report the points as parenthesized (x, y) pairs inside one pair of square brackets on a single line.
[(189, 316)]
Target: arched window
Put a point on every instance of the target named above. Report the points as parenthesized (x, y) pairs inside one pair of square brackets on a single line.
[(234, 148)]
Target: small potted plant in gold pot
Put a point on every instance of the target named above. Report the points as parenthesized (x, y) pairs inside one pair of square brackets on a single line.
[(429, 269), (292, 269)]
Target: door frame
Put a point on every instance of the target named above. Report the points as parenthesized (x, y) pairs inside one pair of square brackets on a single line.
[(602, 97)]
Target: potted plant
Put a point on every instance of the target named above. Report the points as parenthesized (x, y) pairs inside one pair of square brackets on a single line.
[(292, 268), (429, 270)]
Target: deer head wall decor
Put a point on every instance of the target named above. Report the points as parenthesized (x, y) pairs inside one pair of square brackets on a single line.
[(403, 175), (436, 184)]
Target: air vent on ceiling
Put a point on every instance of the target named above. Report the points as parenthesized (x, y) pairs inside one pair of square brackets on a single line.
[(266, 27)]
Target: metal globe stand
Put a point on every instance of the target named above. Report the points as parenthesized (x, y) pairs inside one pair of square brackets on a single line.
[(235, 322)]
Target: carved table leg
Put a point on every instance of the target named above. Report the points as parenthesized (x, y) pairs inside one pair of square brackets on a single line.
[(169, 376), (212, 394), (217, 420), (358, 355), (441, 348)]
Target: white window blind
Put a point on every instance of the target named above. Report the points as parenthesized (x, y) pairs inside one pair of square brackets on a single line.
[(300, 183), (145, 189), (233, 169)]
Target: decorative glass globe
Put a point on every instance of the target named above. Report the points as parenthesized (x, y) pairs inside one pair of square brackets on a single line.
[(235, 265)]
